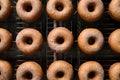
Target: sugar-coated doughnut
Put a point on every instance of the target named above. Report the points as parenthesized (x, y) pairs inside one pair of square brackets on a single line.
[(90, 40), (59, 9), (91, 70), (5, 70), (90, 10), (114, 9), (114, 71), (5, 39), (29, 71), (29, 40), (60, 39), (60, 70), (29, 10), (5, 9), (114, 40)]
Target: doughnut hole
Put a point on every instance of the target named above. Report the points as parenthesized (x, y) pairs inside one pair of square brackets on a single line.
[(59, 74), (27, 75), (91, 7), (91, 75), (0, 7), (27, 7), (60, 40), (28, 40), (91, 40), (59, 6)]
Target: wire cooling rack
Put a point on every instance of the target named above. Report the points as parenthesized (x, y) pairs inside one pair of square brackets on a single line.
[(46, 56)]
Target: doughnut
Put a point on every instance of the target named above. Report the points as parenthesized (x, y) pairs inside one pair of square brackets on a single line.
[(59, 10), (114, 71), (60, 70), (90, 40), (5, 70), (29, 10), (114, 9), (29, 41), (29, 71), (91, 70), (5, 9), (114, 40), (90, 10), (5, 39), (60, 40)]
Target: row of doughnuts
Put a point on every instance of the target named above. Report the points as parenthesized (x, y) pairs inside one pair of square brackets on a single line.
[(21, 40), (58, 70), (92, 10), (88, 10), (90, 40), (60, 40), (27, 10), (62, 70), (27, 70), (93, 70), (30, 10), (30, 40)]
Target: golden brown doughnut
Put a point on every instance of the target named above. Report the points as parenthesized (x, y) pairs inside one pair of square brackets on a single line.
[(90, 40), (90, 10), (59, 9), (114, 40), (29, 71), (91, 70), (29, 10), (114, 9), (29, 40), (5, 9), (60, 39), (114, 71), (5, 70), (60, 70), (5, 39)]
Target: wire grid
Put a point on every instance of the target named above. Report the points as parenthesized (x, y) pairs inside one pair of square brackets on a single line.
[(46, 56)]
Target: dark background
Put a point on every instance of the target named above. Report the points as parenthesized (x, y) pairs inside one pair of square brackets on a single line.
[(45, 56)]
